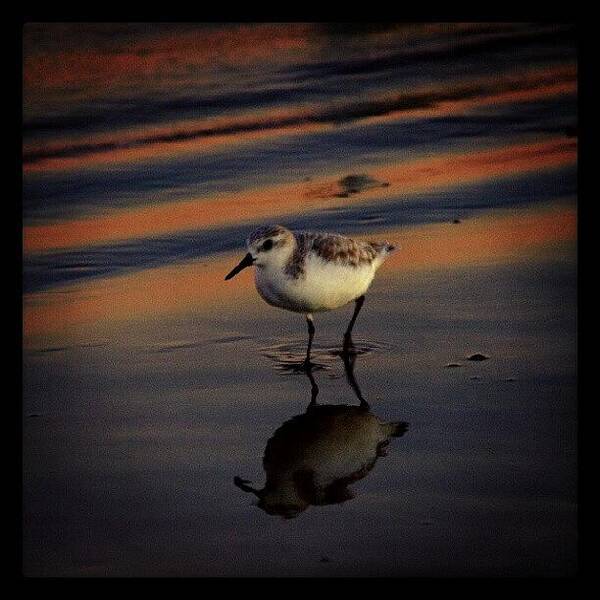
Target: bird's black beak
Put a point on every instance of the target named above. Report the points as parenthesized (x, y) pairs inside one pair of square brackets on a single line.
[(246, 262), (243, 485)]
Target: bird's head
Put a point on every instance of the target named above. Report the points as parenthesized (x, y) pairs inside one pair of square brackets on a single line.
[(268, 246)]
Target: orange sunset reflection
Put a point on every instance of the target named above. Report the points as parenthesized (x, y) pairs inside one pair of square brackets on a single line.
[(275, 202), (199, 285)]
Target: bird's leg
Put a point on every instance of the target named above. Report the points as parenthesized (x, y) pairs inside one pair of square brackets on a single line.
[(314, 388), (311, 333), (349, 359), (348, 335)]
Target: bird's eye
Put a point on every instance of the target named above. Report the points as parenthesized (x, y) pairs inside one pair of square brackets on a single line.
[(267, 245)]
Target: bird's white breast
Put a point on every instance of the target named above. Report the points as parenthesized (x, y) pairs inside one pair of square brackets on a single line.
[(323, 285)]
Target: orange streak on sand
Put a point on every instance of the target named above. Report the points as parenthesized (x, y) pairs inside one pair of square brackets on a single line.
[(454, 107), (146, 132), (456, 169), (287, 199), (544, 87), (198, 287), (142, 58), (191, 286), (482, 241), (155, 150)]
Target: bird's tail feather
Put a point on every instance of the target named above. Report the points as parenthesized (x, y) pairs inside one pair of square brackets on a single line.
[(384, 247), (398, 429)]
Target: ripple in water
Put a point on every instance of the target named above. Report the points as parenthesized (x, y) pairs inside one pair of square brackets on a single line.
[(289, 356)]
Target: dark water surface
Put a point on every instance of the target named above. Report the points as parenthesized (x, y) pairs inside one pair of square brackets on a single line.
[(153, 389), (130, 465)]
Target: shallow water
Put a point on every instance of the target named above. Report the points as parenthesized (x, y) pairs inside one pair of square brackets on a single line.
[(153, 388), (130, 463)]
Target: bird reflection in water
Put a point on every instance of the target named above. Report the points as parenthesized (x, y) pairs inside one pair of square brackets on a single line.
[(313, 457)]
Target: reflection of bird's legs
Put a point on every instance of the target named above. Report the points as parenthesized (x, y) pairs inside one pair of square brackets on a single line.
[(349, 359), (311, 334), (314, 388), (348, 335)]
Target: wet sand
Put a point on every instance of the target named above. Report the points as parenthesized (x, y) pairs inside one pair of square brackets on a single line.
[(135, 425), (153, 389)]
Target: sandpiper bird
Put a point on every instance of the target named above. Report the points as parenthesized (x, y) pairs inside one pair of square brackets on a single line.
[(308, 272)]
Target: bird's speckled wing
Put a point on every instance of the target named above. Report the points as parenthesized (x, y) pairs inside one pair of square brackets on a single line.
[(334, 248)]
